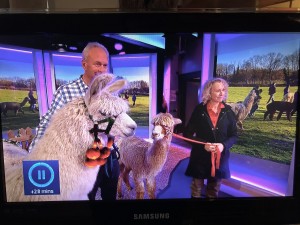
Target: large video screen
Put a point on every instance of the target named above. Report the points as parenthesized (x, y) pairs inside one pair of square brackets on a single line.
[(164, 77)]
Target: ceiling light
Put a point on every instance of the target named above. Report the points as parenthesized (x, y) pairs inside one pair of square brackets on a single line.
[(118, 46)]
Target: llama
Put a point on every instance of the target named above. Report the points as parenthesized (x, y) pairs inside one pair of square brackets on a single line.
[(14, 155), (14, 106), (280, 106), (242, 109), (144, 159), (68, 137)]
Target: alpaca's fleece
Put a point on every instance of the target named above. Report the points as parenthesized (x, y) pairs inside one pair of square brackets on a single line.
[(242, 109), (144, 159), (67, 138), (289, 97), (14, 154)]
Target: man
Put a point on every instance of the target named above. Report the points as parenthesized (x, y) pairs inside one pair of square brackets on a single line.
[(32, 100), (272, 91), (133, 99), (95, 60)]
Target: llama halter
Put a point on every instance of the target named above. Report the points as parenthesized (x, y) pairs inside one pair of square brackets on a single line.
[(168, 130), (97, 155)]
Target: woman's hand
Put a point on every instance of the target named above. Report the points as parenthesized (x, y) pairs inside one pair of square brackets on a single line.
[(212, 147), (220, 146)]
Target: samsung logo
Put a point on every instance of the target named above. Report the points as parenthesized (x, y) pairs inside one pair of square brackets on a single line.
[(151, 216)]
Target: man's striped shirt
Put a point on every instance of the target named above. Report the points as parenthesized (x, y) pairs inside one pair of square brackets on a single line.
[(63, 95)]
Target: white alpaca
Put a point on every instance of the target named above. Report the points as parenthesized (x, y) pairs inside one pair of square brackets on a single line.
[(144, 159), (288, 97), (242, 109), (67, 139)]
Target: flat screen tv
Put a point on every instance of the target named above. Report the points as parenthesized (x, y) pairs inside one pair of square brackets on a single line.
[(166, 57)]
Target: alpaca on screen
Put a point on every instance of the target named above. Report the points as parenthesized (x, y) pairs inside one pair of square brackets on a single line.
[(242, 109), (144, 159), (13, 106)]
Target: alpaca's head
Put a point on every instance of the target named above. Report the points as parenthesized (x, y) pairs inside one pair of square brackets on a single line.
[(103, 102), (163, 125)]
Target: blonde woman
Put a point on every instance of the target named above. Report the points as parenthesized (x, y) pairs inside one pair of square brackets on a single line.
[(213, 123)]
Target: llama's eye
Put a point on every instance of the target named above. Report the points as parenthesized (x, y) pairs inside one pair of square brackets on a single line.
[(103, 113)]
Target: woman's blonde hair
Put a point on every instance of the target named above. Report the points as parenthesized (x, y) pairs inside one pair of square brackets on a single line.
[(207, 89)]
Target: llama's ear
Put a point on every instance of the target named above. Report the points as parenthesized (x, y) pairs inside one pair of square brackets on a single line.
[(97, 84), (177, 121), (116, 86)]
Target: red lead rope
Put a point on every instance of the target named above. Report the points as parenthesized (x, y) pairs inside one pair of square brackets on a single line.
[(215, 156), (215, 161)]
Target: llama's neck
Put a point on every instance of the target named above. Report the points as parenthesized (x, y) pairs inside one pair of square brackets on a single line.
[(157, 153), (24, 102), (76, 127), (248, 103)]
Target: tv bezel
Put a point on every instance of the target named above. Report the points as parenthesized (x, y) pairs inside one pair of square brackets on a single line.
[(254, 210)]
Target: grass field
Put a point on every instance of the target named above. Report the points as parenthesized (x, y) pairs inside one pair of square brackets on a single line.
[(140, 112), (271, 140)]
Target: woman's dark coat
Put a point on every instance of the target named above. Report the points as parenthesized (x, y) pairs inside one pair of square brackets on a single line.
[(201, 128)]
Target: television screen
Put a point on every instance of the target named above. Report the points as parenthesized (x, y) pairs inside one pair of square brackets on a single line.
[(165, 59)]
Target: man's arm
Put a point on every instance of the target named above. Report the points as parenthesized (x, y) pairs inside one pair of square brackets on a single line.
[(57, 103)]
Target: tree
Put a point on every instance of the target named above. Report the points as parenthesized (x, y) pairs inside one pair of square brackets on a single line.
[(272, 62)]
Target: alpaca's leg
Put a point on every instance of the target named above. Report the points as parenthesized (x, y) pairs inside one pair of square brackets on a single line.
[(294, 110), (119, 187), (151, 187), (240, 125), (266, 114), (120, 179), (139, 187), (279, 115), (126, 178), (271, 116), (289, 115)]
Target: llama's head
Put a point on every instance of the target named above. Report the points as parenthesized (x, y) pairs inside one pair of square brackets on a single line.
[(102, 102), (163, 125)]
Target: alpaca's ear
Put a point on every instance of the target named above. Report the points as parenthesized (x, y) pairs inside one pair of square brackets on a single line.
[(116, 86), (177, 121), (97, 84)]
